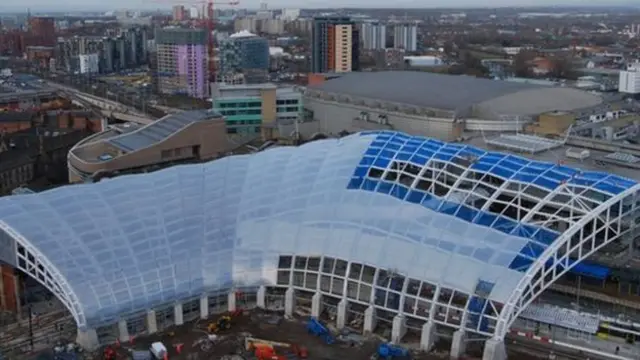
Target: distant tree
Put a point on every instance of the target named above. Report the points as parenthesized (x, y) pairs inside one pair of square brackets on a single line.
[(448, 47), (563, 68), (468, 64), (522, 63), (604, 40)]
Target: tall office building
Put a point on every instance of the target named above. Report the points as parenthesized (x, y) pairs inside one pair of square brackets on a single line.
[(180, 13), (373, 35), (42, 32), (182, 62), (629, 80), (405, 36), (245, 53), (335, 45)]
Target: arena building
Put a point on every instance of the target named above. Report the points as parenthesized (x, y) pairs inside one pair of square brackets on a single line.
[(435, 105), (411, 232)]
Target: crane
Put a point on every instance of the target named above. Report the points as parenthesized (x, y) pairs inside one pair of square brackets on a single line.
[(209, 26)]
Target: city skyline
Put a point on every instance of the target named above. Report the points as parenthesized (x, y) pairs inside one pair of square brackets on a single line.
[(79, 5)]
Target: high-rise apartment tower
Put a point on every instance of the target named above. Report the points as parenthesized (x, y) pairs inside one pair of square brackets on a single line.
[(405, 36), (182, 62), (335, 45), (373, 35)]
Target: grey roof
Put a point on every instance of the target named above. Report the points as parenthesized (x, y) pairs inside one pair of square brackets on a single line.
[(446, 92), (160, 129)]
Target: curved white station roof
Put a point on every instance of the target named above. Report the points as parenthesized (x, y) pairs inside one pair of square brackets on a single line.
[(140, 241)]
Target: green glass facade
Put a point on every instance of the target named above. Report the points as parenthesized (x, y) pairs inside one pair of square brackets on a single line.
[(243, 115)]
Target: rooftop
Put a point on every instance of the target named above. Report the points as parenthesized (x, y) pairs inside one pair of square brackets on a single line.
[(242, 34), (160, 130), (126, 138), (555, 151), (448, 92)]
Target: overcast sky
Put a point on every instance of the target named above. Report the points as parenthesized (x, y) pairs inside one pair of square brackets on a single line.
[(93, 5)]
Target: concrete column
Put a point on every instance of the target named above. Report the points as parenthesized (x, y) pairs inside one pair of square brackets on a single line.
[(204, 307), (494, 350), (261, 297), (289, 302), (231, 302), (152, 322), (123, 332), (316, 305), (88, 339), (178, 314), (370, 320), (458, 344), (341, 316), (428, 336), (398, 329)]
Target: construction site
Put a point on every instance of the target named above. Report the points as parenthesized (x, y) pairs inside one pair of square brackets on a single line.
[(255, 330)]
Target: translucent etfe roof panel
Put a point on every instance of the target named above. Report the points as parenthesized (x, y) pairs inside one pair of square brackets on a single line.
[(525, 143), (136, 242)]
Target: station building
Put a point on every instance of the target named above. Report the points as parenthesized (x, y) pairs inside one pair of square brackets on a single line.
[(381, 229)]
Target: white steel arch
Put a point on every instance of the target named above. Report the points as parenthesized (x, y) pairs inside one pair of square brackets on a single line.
[(34, 263), (540, 275)]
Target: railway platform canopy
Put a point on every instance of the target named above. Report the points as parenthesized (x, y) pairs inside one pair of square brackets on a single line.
[(497, 227)]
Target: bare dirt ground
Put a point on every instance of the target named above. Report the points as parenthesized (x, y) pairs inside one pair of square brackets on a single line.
[(256, 323), (192, 339)]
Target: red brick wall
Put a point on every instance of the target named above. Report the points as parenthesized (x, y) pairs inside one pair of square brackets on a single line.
[(9, 296)]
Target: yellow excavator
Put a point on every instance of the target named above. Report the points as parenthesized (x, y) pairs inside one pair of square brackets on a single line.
[(223, 323)]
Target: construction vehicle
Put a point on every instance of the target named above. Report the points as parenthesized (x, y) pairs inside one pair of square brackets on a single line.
[(267, 353), (251, 343), (269, 348), (300, 351), (315, 327), (389, 351), (223, 323)]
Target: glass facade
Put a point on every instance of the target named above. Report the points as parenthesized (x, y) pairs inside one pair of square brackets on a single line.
[(244, 53), (132, 243), (242, 115)]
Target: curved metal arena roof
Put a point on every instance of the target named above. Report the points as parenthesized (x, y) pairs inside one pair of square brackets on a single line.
[(451, 92), (382, 198)]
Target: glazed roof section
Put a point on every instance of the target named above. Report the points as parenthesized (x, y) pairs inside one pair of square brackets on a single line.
[(136, 242), (389, 147), (160, 130)]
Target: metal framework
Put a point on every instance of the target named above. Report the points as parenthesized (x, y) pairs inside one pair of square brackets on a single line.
[(34, 263), (568, 251), (509, 225)]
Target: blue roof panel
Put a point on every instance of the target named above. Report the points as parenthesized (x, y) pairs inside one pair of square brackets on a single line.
[(507, 166)]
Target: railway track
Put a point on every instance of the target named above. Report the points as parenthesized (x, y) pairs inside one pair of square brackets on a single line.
[(518, 348)]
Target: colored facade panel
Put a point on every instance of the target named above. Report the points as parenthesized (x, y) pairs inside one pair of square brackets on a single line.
[(331, 47), (9, 289), (191, 61)]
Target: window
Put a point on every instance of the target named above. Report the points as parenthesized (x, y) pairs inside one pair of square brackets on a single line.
[(165, 154)]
